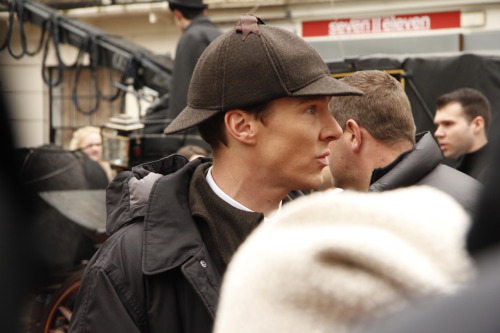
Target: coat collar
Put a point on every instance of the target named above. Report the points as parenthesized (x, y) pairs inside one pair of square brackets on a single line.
[(170, 233), (413, 166), (127, 195)]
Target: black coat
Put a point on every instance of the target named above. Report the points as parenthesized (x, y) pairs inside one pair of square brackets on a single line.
[(475, 164), (194, 40), (153, 274), (422, 166)]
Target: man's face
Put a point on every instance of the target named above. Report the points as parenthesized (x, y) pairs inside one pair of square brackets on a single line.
[(453, 132), (293, 142)]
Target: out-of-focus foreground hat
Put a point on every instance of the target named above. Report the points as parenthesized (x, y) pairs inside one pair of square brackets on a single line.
[(331, 260), (251, 64)]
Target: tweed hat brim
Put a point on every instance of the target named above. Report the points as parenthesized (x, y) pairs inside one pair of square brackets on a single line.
[(189, 117), (254, 64), (327, 86), (324, 86)]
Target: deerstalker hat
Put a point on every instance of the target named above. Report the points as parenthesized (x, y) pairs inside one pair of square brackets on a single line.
[(195, 4), (251, 64)]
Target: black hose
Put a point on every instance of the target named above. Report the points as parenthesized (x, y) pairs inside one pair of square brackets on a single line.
[(8, 33), (16, 7), (93, 67), (51, 35)]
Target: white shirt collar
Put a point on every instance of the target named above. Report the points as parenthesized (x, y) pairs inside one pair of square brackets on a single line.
[(228, 199)]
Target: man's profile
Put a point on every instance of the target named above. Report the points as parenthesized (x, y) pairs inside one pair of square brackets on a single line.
[(259, 96), (462, 120)]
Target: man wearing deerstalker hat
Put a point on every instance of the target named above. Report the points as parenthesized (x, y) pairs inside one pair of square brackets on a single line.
[(259, 96), (198, 32)]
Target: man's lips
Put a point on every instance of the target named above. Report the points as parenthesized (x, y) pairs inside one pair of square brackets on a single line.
[(323, 159), (443, 146)]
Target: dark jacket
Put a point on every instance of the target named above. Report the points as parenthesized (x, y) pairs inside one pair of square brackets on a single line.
[(155, 272), (474, 164), (191, 45), (147, 273), (422, 166)]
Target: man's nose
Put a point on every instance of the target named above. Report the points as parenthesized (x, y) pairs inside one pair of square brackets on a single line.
[(438, 132), (332, 130)]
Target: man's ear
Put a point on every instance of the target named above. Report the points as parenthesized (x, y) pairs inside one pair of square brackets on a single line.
[(180, 20), (178, 15), (240, 125), (478, 125), (353, 131)]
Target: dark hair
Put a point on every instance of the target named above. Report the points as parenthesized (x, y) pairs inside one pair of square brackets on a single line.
[(473, 102), (213, 130), (188, 12)]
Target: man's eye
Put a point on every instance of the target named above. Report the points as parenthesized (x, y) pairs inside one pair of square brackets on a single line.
[(311, 110)]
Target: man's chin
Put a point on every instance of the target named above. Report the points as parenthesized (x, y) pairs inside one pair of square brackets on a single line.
[(314, 184), (450, 156)]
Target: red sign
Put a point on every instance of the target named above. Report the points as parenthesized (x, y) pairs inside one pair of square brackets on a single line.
[(381, 24)]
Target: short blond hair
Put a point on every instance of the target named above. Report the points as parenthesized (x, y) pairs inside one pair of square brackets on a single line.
[(384, 110), (80, 134)]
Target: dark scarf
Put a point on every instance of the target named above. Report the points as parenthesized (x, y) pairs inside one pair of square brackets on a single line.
[(222, 227)]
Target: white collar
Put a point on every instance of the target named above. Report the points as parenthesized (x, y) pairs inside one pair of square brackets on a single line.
[(228, 199)]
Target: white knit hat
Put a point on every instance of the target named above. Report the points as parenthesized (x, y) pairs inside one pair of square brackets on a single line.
[(329, 260)]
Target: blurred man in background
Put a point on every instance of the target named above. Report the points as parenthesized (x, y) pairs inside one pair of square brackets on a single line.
[(197, 33), (462, 120)]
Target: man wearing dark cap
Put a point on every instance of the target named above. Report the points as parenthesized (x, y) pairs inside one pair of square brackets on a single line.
[(259, 96), (197, 33)]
